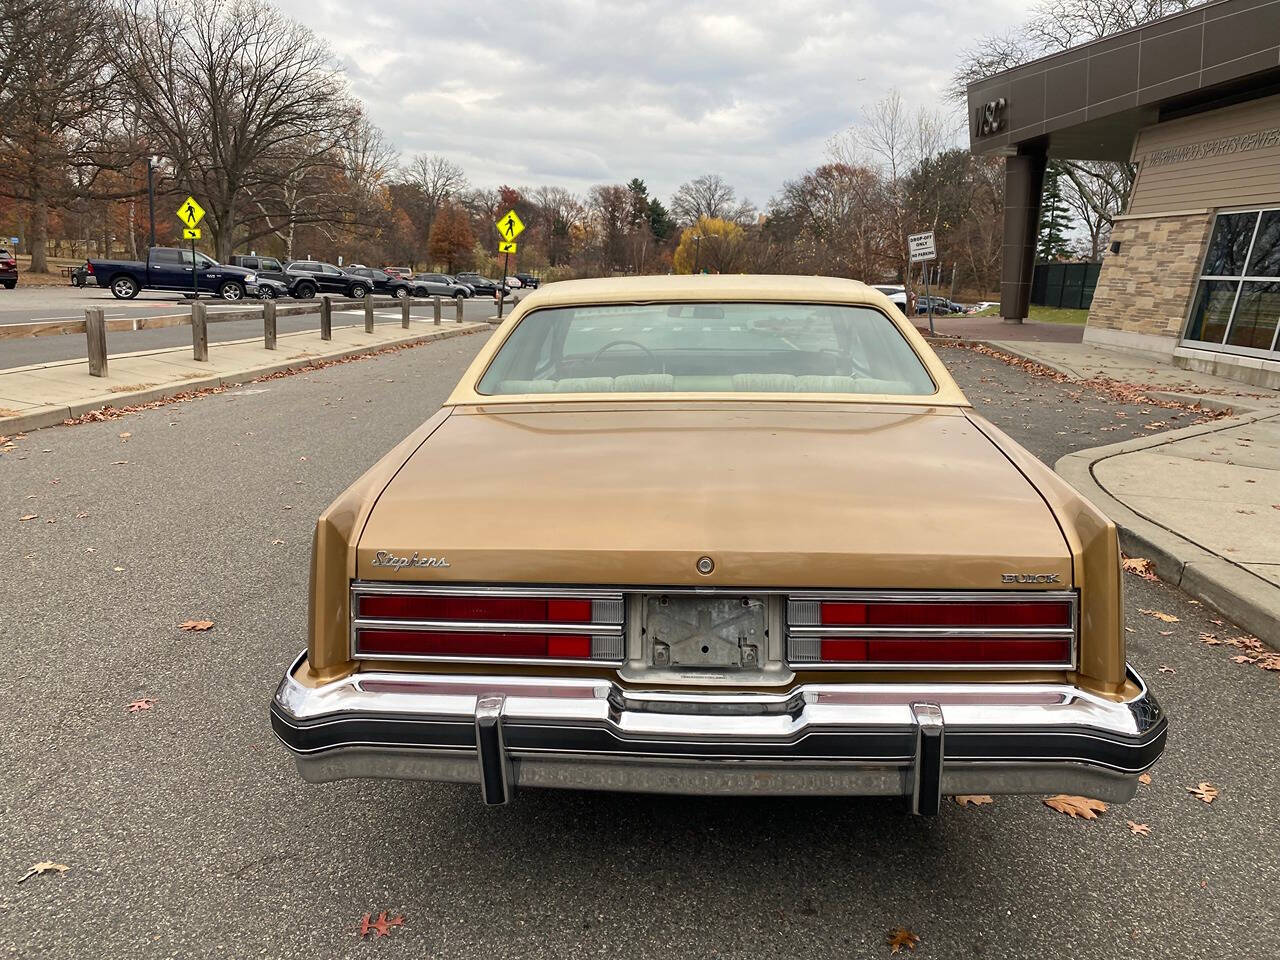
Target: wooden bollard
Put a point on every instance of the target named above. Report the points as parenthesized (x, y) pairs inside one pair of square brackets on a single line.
[(95, 328), (199, 331), (457, 302), (436, 305), (326, 319), (404, 313), (368, 312), (269, 324)]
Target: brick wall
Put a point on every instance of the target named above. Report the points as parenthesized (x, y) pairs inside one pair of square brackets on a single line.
[(1147, 287)]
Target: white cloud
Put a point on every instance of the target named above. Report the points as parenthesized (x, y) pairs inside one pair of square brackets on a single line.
[(575, 93)]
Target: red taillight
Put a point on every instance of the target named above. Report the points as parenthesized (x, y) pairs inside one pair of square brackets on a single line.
[(89, 266), (980, 630), (886, 613), (498, 609), (444, 644), (502, 624)]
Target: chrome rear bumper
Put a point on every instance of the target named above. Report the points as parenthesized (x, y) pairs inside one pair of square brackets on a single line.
[(919, 741)]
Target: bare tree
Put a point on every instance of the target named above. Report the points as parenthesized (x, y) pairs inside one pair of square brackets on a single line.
[(231, 92), (563, 214), (438, 179), (1096, 193), (55, 81), (709, 196)]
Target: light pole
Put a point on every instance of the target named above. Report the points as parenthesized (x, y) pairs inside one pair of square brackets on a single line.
[(697, 251), (152, 163)]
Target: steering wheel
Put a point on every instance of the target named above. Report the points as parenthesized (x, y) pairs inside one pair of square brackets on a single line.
[(856, 366), (626, 343)]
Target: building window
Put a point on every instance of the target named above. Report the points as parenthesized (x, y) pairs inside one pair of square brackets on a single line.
[(1237, 302)]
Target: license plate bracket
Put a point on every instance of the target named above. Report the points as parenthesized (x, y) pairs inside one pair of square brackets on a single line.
[(710, 632)]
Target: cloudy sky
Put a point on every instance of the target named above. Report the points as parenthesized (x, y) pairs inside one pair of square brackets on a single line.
[(572, 93)]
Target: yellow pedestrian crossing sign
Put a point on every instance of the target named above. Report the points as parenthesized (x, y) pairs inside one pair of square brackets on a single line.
[(190, 212), (506, 246), (509, 225), (191, 233)]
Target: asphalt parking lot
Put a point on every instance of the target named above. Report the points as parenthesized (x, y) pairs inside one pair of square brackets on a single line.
[(32, 304), (187, 833)]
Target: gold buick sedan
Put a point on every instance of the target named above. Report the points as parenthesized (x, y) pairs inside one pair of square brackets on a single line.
[(716, 535)]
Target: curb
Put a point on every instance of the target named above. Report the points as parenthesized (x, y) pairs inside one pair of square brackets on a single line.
[(1243, 405), (1241, 596), (53, 415)]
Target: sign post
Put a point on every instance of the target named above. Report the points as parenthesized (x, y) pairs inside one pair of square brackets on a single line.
[(191, 213), (923, 250), (509, 227)]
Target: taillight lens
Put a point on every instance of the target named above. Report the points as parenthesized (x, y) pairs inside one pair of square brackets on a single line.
[(502, 624), (979, 630)]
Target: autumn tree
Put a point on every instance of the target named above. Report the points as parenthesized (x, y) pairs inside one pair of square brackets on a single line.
[(437, 180), (712, 245), (451, 238)]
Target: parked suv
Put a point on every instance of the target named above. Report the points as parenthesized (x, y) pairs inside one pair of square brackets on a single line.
[(528, 281), (382, 282), (8, 269), (309, 277), (439, 285), (268, 267)]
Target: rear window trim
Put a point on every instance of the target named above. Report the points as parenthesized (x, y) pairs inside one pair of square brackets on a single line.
[(701, 394)]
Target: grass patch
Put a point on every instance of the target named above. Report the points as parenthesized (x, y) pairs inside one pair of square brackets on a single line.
[(1044, 315)]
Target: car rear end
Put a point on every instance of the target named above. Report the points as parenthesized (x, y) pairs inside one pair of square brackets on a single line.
[(694, 597)]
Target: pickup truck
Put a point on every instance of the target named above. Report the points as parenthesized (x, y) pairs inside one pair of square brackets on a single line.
[(170, 268)]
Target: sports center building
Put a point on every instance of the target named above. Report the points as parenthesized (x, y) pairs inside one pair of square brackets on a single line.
[(1193, 100)]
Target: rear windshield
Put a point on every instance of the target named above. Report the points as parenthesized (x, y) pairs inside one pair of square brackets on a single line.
[(707, 348)]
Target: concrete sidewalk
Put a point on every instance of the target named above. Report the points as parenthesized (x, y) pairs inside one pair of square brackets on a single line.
[(1201, 503), (42, 395)]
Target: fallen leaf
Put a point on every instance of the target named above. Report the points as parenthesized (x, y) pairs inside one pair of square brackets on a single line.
[(1163, 617), (28, 516), (973, 799), (1139, 566), (902, 937), (1166, 633), (1204, 791), (380, 927), (125, 436), (277, 542), (1244, 658), (139, 705), (1144, 778), (196, 626), (1168, 670), (1141, 829), (1210, 640), (1084, 807), (118, 569), (44, 866)]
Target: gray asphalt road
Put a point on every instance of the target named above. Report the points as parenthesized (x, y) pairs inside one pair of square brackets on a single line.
[(69, 303), (187, 833)]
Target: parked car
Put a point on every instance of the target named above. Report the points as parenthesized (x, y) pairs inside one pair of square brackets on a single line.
[(513, 283), (171, 268), (941, 305), (562, 579), (268, 267), (439, 285), (404, 273), (446, 280), (483, 286), (312, 276), (382, 282), (528, 280), (270, 289), (8, 269), (897, 295), (80, 276)]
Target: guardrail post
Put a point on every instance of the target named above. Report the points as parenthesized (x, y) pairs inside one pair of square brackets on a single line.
[(457, 302), (95, 328), (269, 324), (326, 319), (199, 331), (404, 313), (368, 312), (436, 305)]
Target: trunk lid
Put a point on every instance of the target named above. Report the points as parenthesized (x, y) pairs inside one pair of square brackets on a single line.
[(778, 496)]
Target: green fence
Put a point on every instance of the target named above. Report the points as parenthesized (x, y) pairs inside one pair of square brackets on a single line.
[(1068, 285)]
